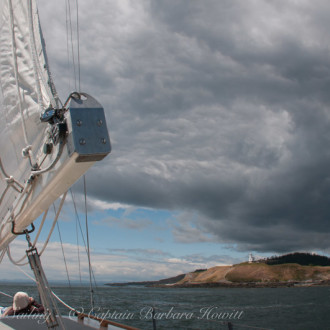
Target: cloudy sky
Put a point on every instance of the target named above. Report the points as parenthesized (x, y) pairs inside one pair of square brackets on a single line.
[(219, 117)]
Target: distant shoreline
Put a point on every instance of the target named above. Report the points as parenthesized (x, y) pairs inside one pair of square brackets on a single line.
[(289, 284), (244, 285), (245, 275)]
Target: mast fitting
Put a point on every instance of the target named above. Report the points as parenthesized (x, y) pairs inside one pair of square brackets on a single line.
[(24, 232)]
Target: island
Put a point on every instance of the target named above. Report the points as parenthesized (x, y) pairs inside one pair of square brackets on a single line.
[(295, 269)]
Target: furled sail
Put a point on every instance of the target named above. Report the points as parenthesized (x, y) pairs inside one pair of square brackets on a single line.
[(26, 85), (28, 144), (26, 91)]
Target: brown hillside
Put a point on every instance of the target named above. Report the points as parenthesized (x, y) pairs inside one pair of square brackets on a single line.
[(214, 274), (258, 272)]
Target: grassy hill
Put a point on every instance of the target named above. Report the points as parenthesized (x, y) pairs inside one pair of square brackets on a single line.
[(258, 273), (287, 270)]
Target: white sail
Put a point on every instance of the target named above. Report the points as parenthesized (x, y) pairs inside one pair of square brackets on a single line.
[(25, 82), (27, 91)]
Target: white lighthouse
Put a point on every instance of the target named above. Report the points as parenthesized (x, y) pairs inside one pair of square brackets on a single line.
[(251, 258)]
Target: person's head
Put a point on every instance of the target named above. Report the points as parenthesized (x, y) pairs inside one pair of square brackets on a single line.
[(21, 301)]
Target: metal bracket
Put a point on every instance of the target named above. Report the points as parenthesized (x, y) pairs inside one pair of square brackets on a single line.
[(24, 232), (88, 136)]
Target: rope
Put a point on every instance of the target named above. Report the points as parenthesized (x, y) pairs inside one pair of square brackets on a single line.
[(54, 222), (62, 302), (11, 182), (5, 294), (18, 262), (3, 252), (58, 156), (26, 192), (3, 194), (12, 216), (56, 296), (2, 169), (40, 227)]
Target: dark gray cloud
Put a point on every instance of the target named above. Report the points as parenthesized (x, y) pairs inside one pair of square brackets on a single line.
[(219, 108)]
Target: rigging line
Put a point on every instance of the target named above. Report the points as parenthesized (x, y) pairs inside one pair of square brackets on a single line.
[(29, 184), (2, 169), (18, 262), (26, 274), (78, 251), (11, 182), (20, 103), (34, 54), (5, 294), (72, 50), (40, 227), (61, 145), (88, 250), (78, 46), (4, 194), (53, 293), (77, 236), (81, 231), (67, 40), (63, 303), (65, 263), (49, 84), (3, 252), (54, 222)]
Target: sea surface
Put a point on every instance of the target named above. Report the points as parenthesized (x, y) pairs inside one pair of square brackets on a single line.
[(187, 308)]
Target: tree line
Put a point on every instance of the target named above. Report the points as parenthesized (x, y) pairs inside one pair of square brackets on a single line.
[(304, 259)]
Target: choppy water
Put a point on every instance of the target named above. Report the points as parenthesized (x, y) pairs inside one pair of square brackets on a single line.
[(211, 308)]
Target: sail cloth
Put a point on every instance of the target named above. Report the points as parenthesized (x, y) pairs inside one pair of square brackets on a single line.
[(27, 90)]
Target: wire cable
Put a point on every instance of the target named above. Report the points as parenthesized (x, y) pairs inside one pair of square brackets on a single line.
[(88, 250), (82, 234), (65, 263), (72, 48), (78, 46), (77, 235)]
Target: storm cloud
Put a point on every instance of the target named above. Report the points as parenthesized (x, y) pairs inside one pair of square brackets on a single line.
[(218, 109)]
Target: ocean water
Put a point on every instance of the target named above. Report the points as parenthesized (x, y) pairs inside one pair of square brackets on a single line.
[(200, 308)]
